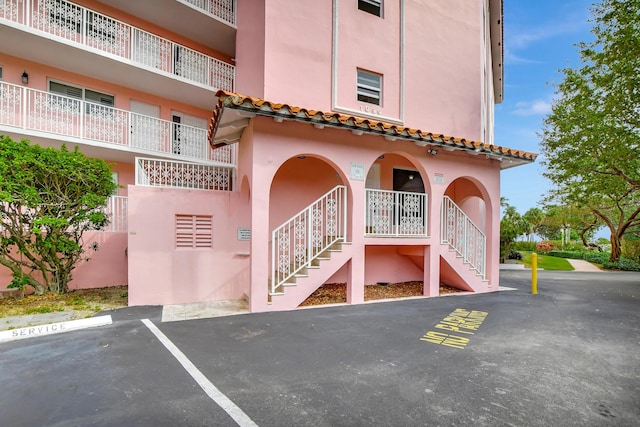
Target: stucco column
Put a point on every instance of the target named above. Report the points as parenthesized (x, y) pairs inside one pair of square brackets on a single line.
[(355, 280), (432, 251), (493, 242), (259, 243)]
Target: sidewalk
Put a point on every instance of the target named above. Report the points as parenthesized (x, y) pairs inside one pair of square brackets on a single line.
[(23, 321), (582, 265)]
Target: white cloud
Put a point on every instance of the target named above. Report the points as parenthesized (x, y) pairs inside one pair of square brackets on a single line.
[(511, 58), (537, 107)]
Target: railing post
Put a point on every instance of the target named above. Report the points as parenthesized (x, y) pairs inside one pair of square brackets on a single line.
[(309, 250), (274, 244), (344, 213)]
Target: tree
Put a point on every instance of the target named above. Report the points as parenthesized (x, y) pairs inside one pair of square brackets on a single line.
[(48, 199), (534, 218), (591, 138), (511, 226), (559, 221)]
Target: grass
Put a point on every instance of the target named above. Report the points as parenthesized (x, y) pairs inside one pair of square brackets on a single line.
[(547, 262), (82, 302)]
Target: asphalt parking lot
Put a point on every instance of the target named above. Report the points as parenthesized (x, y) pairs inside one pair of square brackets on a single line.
[(567, 356)]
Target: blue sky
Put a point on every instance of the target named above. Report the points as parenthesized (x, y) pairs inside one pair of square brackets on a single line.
[(539, 40)]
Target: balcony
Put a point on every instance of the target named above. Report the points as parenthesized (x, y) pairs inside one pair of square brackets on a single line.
[(208, 22), (51, 31), (46, 115), (222, 9), (395, 214), (189, 176)]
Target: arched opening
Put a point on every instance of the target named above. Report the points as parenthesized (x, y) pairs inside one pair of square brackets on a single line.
[(307, 217), (466, 226), (396, 197)]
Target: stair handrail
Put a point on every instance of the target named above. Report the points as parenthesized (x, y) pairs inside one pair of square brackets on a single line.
[(305, 236), (463, 236)]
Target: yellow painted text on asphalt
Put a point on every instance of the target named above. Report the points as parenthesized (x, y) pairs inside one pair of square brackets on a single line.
[(455, 329)]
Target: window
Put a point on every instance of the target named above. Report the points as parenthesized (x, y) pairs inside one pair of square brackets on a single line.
[(194, 231), (373, 7), (369, 87), (96, 100)]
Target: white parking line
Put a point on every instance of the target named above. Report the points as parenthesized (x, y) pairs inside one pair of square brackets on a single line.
[(212, 391)]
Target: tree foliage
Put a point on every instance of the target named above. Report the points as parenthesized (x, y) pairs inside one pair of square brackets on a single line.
[(48, 199), (591, 138), (512, 225), (534, 218), (558, 219)]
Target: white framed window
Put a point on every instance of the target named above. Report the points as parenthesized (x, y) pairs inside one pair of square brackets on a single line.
[(95, 101), (369, 87), (373, 7), (194, 231), (82, 93)]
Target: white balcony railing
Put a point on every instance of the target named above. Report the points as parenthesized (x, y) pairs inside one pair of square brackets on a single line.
[(462, 235), (46, 112), (118, 214), (395, 214), (163, 173), (69, 21), (222, 9)]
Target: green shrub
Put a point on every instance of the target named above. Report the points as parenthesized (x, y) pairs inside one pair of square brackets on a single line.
[(597, 257), (567, 254), (524, 246), (601, 258), (631, 249)]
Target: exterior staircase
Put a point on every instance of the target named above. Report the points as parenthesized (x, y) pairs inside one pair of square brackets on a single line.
[(463, 262), (302, 284), (314, 236)]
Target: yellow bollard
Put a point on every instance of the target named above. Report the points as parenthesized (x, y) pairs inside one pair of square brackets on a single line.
[(534, 273)]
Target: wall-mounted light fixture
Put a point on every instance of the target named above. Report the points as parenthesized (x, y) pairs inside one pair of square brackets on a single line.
[(25, 77), (302, 157), (411, 177), (432, 151), (381, 157)]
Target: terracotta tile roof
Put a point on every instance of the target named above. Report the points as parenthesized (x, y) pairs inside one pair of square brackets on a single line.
[(262, 107)]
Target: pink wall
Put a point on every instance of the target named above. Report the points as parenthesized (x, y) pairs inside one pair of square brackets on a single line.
[(159, 273), (384, 264), (439, 89), (106, 267), (443, 67), (250, 48), (298, 183), (39, 75)]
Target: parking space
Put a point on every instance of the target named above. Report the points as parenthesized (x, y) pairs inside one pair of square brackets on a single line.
[(567, 356)]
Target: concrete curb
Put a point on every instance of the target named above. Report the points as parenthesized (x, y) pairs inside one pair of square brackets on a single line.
[(54, 328)]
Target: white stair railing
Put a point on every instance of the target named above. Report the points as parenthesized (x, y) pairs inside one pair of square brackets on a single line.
[(462, 235), (395, 213), (300, 240)]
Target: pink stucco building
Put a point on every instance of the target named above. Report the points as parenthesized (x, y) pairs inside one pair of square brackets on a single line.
[(266, 147)]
